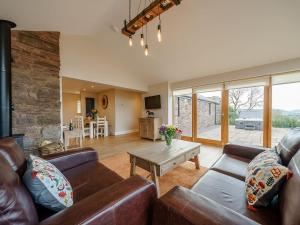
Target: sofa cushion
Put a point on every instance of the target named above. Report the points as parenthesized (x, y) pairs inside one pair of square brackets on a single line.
[(230, 192), (16, 205), (88, 178), (265, 178), (47, 184), (290, 194), (289, 145), (232, 165)]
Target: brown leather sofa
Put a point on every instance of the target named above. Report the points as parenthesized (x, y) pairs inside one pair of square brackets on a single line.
[(219, 196), (100, 195)]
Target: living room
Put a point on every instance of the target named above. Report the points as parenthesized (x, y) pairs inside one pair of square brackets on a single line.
[(150, 112)]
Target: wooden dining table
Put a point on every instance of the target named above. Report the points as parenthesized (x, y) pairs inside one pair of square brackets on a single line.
[(92, 124)]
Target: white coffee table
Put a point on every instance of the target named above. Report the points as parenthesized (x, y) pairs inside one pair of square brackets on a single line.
[(160, 159)]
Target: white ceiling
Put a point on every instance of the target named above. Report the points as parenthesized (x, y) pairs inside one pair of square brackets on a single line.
[(200, 37), (75, 86)]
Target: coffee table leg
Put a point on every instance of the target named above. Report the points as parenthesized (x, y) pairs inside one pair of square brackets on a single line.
[(197, 162), (132, 168), (155, 179)]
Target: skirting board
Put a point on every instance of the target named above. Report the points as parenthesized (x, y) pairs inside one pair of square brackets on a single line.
[(126, 132)]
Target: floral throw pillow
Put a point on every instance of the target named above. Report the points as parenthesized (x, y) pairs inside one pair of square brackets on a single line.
[(47, 185), (264, 179)]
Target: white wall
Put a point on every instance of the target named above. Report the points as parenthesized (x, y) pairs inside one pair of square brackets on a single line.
[(128, 111), (268, 69), (81, 58), (69, 109), (165, 112), (109, 112), (123, 110)]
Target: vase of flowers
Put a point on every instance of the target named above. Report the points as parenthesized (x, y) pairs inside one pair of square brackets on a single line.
[(94, 113), (169, 132)]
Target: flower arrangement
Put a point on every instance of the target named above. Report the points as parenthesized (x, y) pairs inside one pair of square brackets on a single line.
[(169, 132), (94, 112)]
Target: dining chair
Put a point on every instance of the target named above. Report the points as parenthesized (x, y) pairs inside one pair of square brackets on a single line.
[(79, 124), (100, 126)]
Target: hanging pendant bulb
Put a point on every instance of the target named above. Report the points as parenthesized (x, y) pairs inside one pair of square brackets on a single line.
[(159, 38), (130, 40), (146, 50), (142, 40)]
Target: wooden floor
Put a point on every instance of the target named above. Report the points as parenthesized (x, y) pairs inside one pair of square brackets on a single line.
[(114, 145), (113, 153)]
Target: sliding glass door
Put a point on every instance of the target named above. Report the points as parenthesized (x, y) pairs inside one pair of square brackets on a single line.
[(209, 114), (246, 115), (182, 111), (285, 109), (258, 111)]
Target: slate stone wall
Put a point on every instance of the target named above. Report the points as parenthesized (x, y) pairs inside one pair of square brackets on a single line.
[(35, 86)]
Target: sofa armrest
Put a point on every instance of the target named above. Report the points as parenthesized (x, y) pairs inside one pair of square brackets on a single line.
[(128, 202), (181, 206), (245, 151), (72, 158)]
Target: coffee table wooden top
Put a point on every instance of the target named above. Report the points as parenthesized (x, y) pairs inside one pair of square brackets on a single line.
[(159, 153)]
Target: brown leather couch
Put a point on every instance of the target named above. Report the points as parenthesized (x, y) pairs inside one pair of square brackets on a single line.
[(219, 196), (100, 195)]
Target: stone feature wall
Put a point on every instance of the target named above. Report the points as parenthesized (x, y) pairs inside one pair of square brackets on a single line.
[(36, 86)]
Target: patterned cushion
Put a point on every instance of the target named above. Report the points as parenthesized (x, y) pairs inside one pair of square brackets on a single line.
[(264, 178), (47, 184)]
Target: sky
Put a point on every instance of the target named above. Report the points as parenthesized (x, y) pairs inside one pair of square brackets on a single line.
[(286, 96)]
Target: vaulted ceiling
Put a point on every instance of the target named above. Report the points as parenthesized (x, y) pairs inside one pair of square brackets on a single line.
[(200, 37)]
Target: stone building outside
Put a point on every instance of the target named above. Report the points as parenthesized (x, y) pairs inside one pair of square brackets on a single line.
[(208, 107)]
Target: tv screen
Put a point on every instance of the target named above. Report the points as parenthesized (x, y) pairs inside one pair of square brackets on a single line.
[(152, 102)]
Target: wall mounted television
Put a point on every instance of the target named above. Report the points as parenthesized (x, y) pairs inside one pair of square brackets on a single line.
[(152, 102)]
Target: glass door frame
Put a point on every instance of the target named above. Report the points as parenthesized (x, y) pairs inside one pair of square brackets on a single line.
[(267, 119)]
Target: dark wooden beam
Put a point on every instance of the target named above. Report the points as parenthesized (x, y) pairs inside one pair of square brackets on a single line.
[(153, 10)]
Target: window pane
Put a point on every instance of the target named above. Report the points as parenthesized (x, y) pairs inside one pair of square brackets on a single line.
[(285, 110), (182, 113), (246, 115), (209, 115)]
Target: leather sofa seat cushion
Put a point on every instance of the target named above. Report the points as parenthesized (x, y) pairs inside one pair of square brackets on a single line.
[(230, 192), (289, 145), (232, 165), (89, 178)]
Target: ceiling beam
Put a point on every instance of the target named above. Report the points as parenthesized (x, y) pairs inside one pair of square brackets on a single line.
[(153, 10)]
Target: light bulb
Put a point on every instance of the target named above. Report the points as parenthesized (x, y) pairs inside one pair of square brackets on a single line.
[(159, 33), (142, 40), (146, 50), (130, 41)]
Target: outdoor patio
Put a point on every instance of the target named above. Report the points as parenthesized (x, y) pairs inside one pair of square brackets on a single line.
[(239, 136), (251, 137)]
